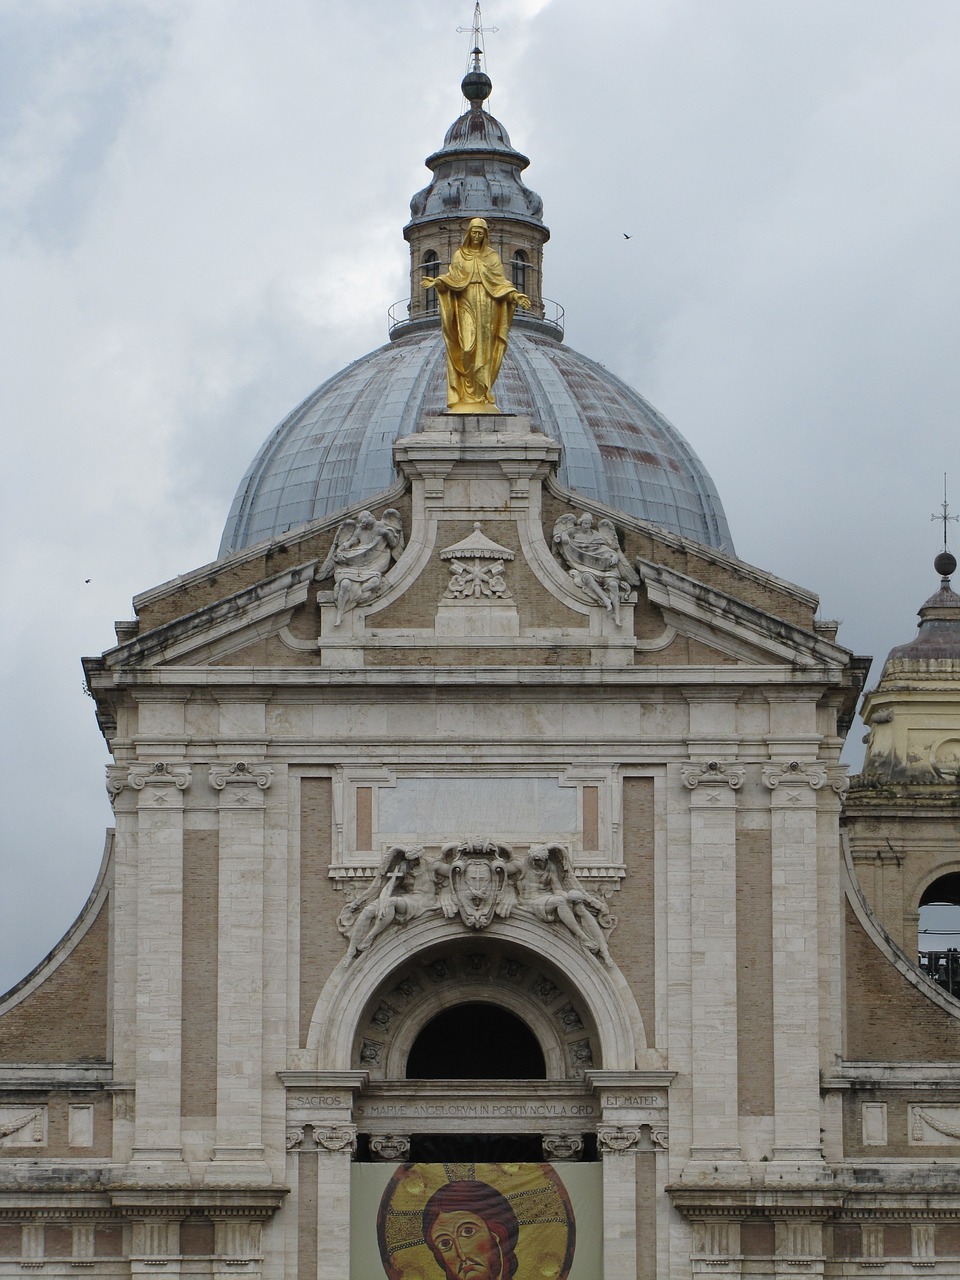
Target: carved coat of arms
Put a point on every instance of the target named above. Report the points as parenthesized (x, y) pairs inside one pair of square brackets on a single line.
[(481, 882)]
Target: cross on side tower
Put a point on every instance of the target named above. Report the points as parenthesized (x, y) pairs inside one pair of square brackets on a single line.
[(944, 515), (478, 52)]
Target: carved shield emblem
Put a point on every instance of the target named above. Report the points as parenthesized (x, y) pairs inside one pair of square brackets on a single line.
[(477, 876)]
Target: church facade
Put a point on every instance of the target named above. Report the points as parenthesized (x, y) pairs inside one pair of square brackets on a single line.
[(480, 822)]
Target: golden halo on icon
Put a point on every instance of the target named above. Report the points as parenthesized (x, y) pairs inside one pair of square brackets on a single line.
[(525, 1206)]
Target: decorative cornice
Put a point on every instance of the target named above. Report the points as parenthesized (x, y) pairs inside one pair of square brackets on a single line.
[(241, 771), (712, 773)]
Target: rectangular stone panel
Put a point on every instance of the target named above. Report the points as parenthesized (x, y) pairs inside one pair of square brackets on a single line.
[(511, 808)]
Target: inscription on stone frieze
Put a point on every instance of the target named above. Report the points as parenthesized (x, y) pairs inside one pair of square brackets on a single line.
[(476, 1110), (635, 1100), (301, 1101)]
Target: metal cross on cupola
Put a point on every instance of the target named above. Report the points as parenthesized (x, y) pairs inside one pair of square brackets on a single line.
[(477, 52), (944, 515)]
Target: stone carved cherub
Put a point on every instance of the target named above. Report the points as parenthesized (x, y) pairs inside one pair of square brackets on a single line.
[(594, 560), (550, 890), (361, 554)]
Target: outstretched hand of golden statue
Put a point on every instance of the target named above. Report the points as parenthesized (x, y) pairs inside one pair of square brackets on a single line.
[(522, 301)]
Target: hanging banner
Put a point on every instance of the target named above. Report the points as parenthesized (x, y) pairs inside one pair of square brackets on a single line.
[(476, 1222)]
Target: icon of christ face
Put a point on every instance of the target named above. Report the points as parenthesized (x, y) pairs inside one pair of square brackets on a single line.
[(466, 1247), (472, 1232)]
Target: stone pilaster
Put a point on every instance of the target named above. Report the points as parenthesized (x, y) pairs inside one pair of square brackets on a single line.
[(320, 1127), (793, 789), (618, 1146), (335, 1147), (713, 787), (240, 785), (159, 786), (634, 1125)]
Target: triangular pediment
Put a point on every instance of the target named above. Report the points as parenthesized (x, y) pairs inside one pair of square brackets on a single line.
[(468, 562)]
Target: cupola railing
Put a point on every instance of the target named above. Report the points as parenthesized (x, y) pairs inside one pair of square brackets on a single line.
[(400, 319)]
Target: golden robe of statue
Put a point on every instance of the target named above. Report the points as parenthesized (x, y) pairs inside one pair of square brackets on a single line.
[(476, 308)]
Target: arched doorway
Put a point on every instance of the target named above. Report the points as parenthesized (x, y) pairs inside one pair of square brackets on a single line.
[(476, 1041)]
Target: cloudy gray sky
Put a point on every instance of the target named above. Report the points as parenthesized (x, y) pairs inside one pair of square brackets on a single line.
[(200, 214)]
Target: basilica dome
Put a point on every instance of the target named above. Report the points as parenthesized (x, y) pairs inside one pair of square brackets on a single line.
[(335, 450)]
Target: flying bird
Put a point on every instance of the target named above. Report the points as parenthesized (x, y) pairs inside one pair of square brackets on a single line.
[(626, 237)]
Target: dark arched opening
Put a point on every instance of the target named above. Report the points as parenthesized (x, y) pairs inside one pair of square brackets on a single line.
[(938, 943), (476, 1042), (430, 267), (519, 265)]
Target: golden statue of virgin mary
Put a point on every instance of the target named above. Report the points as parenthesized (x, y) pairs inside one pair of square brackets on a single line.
[(476, 308)]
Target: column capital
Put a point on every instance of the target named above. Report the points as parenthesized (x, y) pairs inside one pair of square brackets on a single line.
[(393, 1147), (795, 772), (718, 773), (618, 1139), (241, 771), (137, 776), (336, 1139)]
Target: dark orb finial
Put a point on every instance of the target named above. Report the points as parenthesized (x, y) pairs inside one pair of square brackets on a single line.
[(945, 564), (476, 86)]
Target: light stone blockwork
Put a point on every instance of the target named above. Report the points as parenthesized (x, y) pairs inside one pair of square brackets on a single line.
[(638, 860)]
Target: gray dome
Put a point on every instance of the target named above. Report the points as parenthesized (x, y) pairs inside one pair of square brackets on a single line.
[(335, 449)]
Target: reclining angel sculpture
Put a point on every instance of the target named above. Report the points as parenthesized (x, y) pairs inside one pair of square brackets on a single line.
[(361, 554), (404, 888), (550, 890), (594, 560)]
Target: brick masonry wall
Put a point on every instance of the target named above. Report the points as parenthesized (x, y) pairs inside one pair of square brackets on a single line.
[(632, 943), (754, 974), (321, 944), (886, 1017), (65, 1018), (198, 1078)]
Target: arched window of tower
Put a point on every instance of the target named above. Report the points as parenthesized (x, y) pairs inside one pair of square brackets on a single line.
[(431, 267), (938, 940), (520, 265)]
